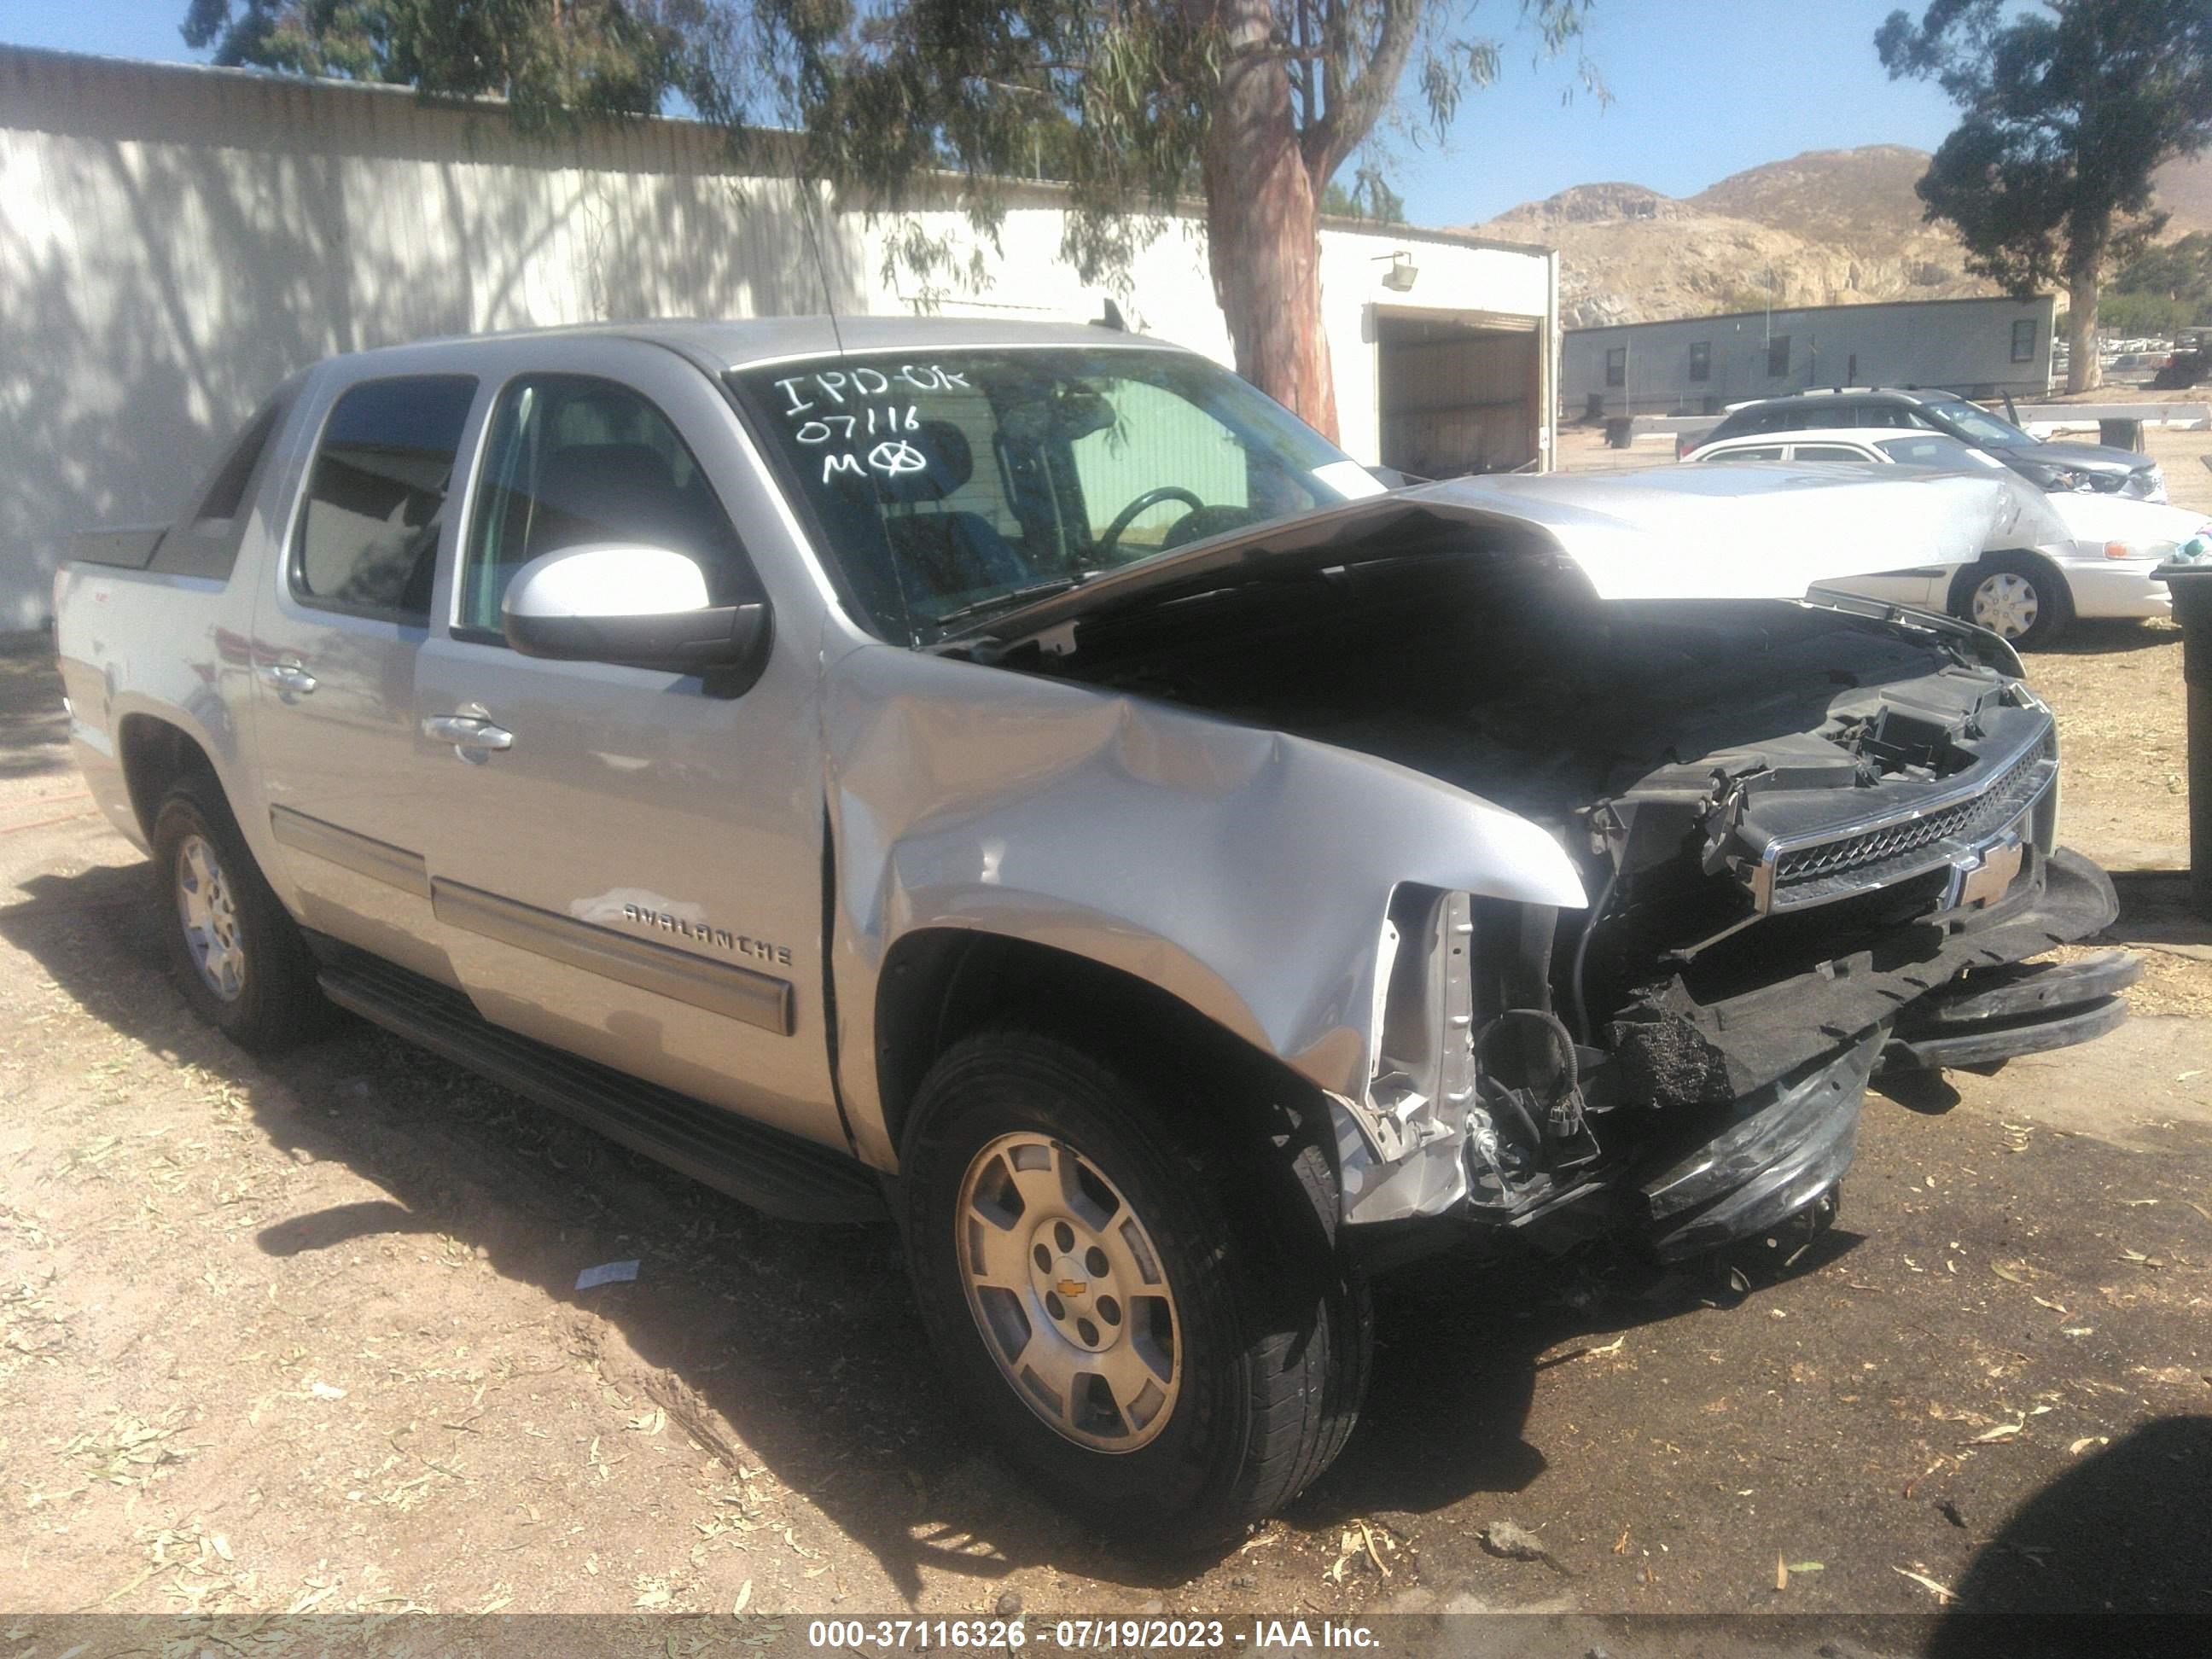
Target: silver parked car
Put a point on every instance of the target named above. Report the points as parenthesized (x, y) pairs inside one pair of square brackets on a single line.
[(2049, 463), (1023, 776)]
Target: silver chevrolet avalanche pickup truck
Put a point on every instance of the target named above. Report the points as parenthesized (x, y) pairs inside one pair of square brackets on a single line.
[(1022, 778)]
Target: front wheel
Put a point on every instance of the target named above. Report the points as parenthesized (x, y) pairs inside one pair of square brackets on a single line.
[(2018, 599), (1157, 1330)]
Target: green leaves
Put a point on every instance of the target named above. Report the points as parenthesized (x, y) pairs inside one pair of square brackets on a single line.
[(2066, 112), (557, 62), (1131, 108)]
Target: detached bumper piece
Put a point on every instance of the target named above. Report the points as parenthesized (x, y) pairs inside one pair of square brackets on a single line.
[(1678, 1052), (1734, 1170), (1999, 1014), (1791, 1144)]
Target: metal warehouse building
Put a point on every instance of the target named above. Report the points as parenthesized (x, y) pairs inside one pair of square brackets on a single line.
[(1700, 365), (175, 239)]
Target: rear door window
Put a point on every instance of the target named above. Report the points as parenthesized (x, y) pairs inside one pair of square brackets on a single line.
[(1827, 453), (368, 538), (1754, 453)]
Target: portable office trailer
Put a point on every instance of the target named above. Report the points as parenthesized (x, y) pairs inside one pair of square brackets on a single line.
[(1700, 365)]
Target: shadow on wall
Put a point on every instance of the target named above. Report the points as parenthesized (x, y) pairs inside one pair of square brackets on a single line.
[(176, 242)]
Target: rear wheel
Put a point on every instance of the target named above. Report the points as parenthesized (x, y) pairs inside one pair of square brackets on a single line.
[(1155, 1328), (237, 957), (2019, 599)]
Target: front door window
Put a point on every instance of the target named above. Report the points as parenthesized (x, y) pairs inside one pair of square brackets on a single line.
[(570, 461)]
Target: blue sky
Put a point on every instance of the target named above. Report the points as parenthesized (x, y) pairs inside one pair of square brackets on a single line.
[(1701, 89)]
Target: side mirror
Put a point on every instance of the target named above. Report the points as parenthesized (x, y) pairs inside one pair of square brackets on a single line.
[(643, 607)]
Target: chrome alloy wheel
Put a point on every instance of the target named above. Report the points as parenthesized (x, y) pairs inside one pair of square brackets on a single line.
[(2006, 604), (1069, 1292), (209, 915)]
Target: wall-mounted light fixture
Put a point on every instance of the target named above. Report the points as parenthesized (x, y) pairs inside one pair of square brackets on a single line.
[(1403, 272)]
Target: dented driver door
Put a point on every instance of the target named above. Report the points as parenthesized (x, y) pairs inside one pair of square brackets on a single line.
[(629, 865)]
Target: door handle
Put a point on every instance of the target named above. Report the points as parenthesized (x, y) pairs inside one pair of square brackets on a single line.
[(287, 676), (469, 730)]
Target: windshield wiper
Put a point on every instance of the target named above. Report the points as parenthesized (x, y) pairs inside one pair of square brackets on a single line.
[(1013, 599)]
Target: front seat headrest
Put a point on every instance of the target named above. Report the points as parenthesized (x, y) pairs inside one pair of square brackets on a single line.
[(945, 463)]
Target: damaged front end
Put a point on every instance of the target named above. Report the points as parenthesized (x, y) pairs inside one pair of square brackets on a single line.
[(1777, 920), (1821, 833)]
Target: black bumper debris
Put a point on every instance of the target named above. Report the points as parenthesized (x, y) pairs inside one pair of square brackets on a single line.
[(1678, 1053), (1773, 1160), (2025, 1009), (1736, 1171)]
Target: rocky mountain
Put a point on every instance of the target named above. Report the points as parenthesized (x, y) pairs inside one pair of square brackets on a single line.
[(1836, 227), (2184, 191)]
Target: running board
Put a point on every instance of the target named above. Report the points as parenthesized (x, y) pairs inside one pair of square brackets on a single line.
[(774, 1172)]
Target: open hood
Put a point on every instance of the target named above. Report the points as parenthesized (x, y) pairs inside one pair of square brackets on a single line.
[(1738, 532)]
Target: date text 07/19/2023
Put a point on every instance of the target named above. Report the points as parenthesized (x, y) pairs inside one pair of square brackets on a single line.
[(1087, 1635)]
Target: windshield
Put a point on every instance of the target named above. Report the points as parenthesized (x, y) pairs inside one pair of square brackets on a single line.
[(949, 485), (1980, 424)]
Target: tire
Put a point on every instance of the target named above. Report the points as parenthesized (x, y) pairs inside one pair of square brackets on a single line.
[(2021, 598), (240, 960), (1234, 1371)]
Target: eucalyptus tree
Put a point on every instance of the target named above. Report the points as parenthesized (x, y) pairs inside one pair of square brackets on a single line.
[(1253, 105), (1134, 108), (2069, 107)]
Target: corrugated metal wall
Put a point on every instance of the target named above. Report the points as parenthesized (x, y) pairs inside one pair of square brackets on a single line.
[(175, 241)]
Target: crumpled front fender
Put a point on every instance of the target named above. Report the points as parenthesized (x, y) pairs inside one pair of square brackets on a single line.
[(1244, 870)]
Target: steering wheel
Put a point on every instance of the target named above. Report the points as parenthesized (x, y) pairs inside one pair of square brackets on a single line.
[(1112, 537)]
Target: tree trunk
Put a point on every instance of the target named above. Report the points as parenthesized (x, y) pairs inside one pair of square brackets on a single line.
[(2084, 371), (1263, 234)]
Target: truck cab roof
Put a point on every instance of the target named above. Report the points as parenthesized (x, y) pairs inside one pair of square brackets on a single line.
[(720, 344)]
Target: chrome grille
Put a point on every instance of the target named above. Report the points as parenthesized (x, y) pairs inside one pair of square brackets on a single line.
[(1890, 852)]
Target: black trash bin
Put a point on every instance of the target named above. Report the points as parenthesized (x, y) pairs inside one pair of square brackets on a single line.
[(2191, 587)]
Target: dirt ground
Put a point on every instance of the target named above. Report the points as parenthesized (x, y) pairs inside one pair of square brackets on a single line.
[(302, 1334)]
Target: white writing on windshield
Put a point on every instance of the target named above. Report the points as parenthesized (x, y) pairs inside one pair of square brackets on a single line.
[(830, 407), (832, 384)]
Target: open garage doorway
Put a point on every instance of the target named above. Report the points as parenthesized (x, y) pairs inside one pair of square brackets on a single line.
[(1459, 391)]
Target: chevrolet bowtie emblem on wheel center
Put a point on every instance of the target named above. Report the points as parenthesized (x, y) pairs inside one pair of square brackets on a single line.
[(1072, 1287)]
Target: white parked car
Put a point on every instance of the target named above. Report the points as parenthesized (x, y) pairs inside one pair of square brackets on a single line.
[(2028, 597)]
